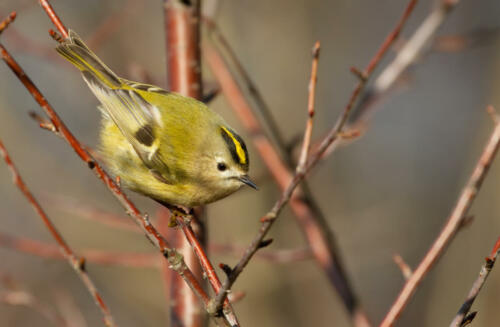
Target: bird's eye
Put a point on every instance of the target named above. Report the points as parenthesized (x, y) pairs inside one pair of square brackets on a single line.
[(221, 166)]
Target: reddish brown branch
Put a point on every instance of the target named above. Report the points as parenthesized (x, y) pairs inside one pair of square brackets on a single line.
[(182, 26), (87, 212), (461, 317), (6, 22), (406, 56), (183, 51), (28, 300), (175, 259), (54, 18), (205, 263), (141, 260), (449, 230), (51, 251), (77, 263), (403, 266), (310, 109)]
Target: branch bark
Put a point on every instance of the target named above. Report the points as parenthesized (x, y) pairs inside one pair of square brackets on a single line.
[(182, 26), (77, 263), (449, 230), (461, 319)]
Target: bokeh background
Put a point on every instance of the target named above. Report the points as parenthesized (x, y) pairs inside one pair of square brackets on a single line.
[(388, 192)]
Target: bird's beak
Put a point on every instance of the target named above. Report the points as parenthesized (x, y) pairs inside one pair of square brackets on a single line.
[(246, 180)]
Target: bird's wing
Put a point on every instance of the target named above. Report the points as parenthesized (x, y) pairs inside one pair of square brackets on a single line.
[(138, 120)]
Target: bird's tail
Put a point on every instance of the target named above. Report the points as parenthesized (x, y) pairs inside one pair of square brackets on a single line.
[(76, 52)]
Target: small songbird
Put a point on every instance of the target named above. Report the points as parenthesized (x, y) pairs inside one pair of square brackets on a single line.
[(169, 147)]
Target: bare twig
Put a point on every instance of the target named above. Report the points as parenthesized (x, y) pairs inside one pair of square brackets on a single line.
[(69, 309), (271, 255), (142, 260), (449, 230), (77, 263), (463, 313), (310, 109), (51, 251), (13, 293), (6, 22), (84, 211), (54, 18), (28, 300), (407, 55), (403, 266)]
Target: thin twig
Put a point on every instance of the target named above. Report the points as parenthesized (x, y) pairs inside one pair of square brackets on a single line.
[(449, 230), (6, 22), (298, 177), (54, 18), (77, 263), (51, 251), (406, 56), (463, 313), (16, 295), (28, 300), (84, 211), (143, 260), (310, 108), (403, 266)]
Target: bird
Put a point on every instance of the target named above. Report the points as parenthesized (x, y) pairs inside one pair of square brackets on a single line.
[(166, 146)]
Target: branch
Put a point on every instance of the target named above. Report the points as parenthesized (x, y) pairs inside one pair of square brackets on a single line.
[(142, 260), (310, 109), (288, 182), (54, 18), (28, 300), (84, 211), (174, 258), (51, 251), (182, 26), (15, 295), (77, 263), (462, 316), (451, 227), (407, 55)]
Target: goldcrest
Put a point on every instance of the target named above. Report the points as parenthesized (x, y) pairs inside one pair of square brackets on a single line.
[(166, 146)]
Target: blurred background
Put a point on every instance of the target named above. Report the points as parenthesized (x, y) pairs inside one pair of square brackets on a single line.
[(388, 192)]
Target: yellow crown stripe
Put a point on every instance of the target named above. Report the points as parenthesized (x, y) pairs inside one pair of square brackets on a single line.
[(237, 144)]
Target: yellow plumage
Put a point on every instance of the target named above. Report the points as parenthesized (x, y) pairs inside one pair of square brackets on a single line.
[(169, 147)]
